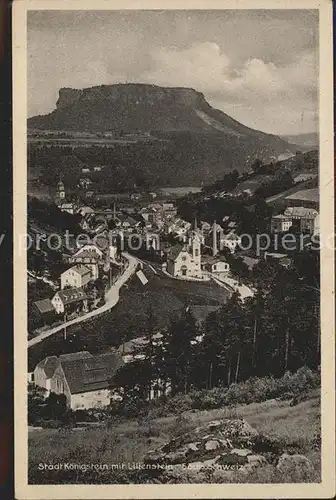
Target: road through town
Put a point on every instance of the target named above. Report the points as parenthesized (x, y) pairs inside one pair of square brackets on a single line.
[(111, 298)]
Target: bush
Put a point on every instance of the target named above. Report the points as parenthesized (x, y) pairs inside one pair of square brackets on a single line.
[(254, 390), (181, 426), (49, 424)]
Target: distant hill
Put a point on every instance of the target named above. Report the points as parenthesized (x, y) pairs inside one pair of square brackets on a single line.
[(304, 141), (302, 163), (201, 142)]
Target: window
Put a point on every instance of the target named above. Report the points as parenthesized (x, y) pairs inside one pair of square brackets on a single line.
[(184, 258), (196, 252), (215, 267)]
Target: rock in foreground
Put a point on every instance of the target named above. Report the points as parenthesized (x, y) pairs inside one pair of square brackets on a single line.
[(217, 451)]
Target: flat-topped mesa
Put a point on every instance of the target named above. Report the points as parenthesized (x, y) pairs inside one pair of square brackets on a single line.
[(128, 92), (180, 115)]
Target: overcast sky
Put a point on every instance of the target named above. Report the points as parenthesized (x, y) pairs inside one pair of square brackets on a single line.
[(260, 67)]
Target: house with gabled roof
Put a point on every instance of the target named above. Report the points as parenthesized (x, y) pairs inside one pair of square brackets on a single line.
[(84, 379), (77, 276), (215, 265), (69, 300), (45, 309), (89, 256)]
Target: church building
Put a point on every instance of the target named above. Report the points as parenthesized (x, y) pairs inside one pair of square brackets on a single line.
[(184, 260)]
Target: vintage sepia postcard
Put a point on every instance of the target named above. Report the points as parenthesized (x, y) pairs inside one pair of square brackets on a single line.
[(174, 249)]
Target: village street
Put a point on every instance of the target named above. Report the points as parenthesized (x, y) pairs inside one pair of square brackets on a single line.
[(233, 285), (111, 298)]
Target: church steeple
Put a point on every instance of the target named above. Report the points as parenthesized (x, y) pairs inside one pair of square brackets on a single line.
[(60, 190)]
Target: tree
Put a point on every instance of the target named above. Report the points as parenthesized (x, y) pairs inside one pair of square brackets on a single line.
[(256, 165), (145, 370), (178, 351), (36, 401)]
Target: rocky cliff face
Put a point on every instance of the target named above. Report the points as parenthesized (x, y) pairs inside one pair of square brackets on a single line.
[(142, 107), (199, 142)]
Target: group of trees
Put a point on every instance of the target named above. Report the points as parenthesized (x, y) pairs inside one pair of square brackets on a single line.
[(48, 214), (226, 183), (275, 331), (43, 407)]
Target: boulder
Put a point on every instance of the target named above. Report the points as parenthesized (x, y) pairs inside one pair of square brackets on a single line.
[(256, 460), (241, 452), (218, 451), (289, 462), (212, 445)]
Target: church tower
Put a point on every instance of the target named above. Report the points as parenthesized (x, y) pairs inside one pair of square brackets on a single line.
[(60, 193), (195, 250)]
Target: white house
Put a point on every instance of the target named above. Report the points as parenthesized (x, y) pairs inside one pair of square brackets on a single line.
[(280, 223), (85, 380), (69, 300), (68, 207), (306, 219), (77, 276), (215, 265), (89, 256), (230, 241)]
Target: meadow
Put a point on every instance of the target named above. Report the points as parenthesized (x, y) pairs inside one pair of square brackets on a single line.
[(128, 441)]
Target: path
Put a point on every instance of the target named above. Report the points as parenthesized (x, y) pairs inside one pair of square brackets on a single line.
[(233, 284), (111, 298)]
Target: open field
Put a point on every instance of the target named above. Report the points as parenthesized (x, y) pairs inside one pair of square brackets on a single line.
[(129, 441)]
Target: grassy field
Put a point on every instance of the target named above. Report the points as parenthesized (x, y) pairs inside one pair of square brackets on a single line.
[(130, 441)]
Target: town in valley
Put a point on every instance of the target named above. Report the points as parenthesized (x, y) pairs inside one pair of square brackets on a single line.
[(173, 263)]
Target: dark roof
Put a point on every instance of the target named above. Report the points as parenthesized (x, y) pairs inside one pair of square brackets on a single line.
[(301, 212), (75, 355), (127, 218), (82, 270), (91, 373), (305, 195), (86, 254), (44, 306), (175, 251), (70, 295)]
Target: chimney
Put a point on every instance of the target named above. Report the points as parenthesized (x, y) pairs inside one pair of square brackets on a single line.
[(214, 239)]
